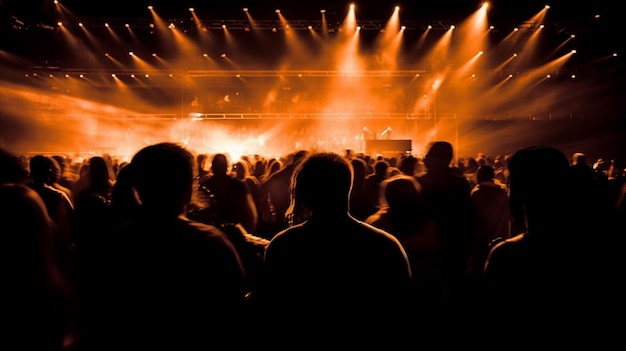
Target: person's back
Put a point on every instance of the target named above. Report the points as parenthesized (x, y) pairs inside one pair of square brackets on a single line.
[(172, 282), (552, 274), (371, 186), (332, 273), (58, 203), (492, 217), (276, 187), (232, 199), (402, 214), (447, 197), (37, 289)]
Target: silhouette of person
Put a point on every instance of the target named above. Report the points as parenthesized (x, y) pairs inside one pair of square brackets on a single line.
[(553, 273), (402, 213), (330, 277), (172, 282), (492, 216), (447, 198), (275, 188), (232, 199), (36, 285)]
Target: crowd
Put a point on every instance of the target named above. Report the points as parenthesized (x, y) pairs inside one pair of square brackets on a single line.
[(187, 251)]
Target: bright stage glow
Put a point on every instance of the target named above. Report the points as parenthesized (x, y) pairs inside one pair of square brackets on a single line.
[(319, 86)]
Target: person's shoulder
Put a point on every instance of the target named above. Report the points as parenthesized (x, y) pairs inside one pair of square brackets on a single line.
[(52, 191), (506, 247), (295, 232), (201, 230), (377, 235)]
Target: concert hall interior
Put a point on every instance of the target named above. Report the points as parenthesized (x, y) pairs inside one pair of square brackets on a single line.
[(248, 78)]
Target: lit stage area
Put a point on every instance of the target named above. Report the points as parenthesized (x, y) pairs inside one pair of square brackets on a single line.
[(259, 83)]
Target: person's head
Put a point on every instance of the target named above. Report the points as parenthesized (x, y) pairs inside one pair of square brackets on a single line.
[(57, 169), (400, 192), (62, 161), (219, 164), (381, 167), (242, 170), (100, 171), (408, 165), (485, 173), (539, 184), (41, 169), (439, 155), (470, 165), (12, 169), (322, 183), (162, 175)]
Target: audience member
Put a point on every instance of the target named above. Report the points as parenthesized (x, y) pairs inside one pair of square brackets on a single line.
[(402, 213), (275, 188), (37, 290), (447, 197), (171, 282), (492, 218), (553, 274), (372, 186), (58, 203), (358, 195), (232, 201), (332, 279)]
